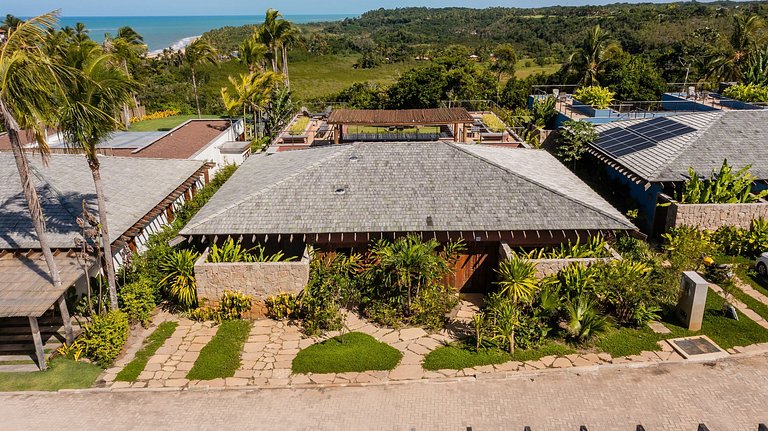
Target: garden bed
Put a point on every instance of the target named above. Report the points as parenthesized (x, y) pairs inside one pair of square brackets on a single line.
[(352, 352), (220, 358), (131, 371)]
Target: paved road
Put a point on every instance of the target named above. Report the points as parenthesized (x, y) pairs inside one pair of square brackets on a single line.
[(729, 396)]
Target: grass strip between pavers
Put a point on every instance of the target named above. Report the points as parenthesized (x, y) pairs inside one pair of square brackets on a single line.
[(220, 358), (61, 374), (352, 352), (130, 373), (460, 355)]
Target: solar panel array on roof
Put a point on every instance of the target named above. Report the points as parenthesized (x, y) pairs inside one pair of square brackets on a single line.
[(661, 129), (619, 142)]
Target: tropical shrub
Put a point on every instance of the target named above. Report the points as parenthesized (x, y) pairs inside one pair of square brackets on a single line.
[(686, 247), (595, 96), (179, 269), (594, 247), (626, 292), (283, 306), (504, 317), (137, 300), (232, 306), (408, 275), (577, 280), (735, 241), (233, 252), (573, 140), (724, 187), (332, 285), (747, 92), (104, 337)]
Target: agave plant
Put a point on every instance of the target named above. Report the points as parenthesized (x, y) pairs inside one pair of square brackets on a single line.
[(179, 267), (517, 279), (584, 322)]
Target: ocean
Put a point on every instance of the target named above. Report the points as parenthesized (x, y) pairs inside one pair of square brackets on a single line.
[(162, 32)]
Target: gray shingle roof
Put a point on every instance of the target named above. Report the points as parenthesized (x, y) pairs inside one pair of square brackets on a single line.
[(739, 136), (394, 187), (133, 187)]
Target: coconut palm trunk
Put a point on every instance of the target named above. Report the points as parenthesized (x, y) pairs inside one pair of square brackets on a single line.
[(109, 263), (285, 67), (197, 97)]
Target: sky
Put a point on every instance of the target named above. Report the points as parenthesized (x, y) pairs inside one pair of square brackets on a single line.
[(249, 7)]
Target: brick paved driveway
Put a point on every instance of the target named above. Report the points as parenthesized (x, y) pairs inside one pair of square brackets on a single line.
[(729, 396)]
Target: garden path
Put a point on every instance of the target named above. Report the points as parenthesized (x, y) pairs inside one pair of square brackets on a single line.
[(749, 290), (742, 307)]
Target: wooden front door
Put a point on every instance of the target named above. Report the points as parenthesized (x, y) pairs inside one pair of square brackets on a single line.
[(475, 270)]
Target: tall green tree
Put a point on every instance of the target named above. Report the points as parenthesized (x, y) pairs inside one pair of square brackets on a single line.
[(253, 54), (590, 59), (196, 54), (91, 99), (250, 92), (29, 84), (126, 49), (278, 34), (506, 59), (728, 64)]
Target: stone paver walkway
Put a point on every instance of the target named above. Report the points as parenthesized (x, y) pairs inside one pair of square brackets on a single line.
[(730, 395), (749, 290)]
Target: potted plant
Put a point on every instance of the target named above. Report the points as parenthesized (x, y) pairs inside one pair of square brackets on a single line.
[(593, 100)]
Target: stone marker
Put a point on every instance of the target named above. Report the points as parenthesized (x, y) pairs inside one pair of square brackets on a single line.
[(693, 298)]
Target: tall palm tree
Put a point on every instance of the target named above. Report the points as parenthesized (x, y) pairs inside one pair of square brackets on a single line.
[(278, 34), (126, 48), (129, 35), (28, 87), (265, 33), (11, 23), (196, 54), (91, 98), (590, 58)]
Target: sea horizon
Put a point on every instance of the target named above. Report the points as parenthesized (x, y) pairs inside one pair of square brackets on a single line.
[(166, 31)]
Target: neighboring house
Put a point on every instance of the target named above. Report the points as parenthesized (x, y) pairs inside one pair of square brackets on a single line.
[(652, 156), (341, 198), (213, 141), (141, 196)]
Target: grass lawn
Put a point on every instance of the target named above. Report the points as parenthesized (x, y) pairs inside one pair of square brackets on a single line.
[(465, 355), (61, 374), (384, 130), (726, 332), (620, 342), (155, 340), (352, 352), (220, 358), (747, 274), (299, 127), (165, 124)]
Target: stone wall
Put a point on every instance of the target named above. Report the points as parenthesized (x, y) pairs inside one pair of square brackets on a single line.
[(712, 216), (547, 267), (260, 280)]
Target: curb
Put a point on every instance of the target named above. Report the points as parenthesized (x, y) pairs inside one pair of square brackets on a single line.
[(496, 376)]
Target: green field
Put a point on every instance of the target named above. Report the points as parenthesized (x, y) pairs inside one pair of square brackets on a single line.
[(164, 124), (321, 76)]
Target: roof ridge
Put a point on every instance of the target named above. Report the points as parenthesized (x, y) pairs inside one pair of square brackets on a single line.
[(538, 184), (698, 135), (269, 187)]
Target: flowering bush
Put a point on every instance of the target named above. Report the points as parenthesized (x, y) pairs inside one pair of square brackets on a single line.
[(157, 115)]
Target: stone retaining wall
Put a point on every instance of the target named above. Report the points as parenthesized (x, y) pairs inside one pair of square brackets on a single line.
[(712, 216), (547, 267), (260, 280)]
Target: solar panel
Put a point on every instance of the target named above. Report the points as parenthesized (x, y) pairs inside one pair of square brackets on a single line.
[(619, 142), (660, 129)]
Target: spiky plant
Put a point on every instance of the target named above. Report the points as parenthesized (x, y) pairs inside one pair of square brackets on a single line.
[(517, 279), (179, 280)]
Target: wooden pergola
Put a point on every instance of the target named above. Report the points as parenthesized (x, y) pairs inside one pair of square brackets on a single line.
[(456, 118), (26, 290)]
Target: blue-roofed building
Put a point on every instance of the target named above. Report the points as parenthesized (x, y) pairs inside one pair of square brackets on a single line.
[(652, 156)]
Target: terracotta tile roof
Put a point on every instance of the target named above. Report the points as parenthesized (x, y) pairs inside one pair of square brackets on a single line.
[(185, 141)]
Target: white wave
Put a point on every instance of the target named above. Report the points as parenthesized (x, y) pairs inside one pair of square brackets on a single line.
[(178, 45)]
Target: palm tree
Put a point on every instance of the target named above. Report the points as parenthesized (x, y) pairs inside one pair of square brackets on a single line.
[(91, 99), (591, 57), (729, 64), (278, 34), (129, 35), (126, 48), (253, 54), (250, 91), (11, 23), (28, 87), (198, 53)]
